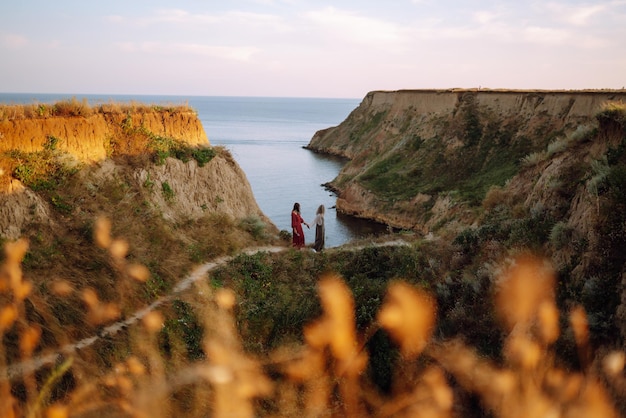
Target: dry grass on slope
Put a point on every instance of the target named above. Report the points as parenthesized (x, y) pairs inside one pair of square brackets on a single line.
[(323, 377), (75, 107)]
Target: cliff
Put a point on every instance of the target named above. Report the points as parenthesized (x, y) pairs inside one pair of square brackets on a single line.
[(53, 169), (416, 155), (491, 173), (88, 138)]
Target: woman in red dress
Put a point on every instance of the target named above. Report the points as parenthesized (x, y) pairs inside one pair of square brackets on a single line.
[(296, 226)]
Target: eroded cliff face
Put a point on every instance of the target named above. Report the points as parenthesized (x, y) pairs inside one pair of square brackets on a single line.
[(88, 137), (412, 152), (385, 117), (104, 151), (493, 172)]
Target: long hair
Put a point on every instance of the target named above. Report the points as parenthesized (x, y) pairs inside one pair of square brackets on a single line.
[(320, 210), (296, 207)]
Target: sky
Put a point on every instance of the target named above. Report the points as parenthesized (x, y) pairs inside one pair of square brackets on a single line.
[(308, 48)]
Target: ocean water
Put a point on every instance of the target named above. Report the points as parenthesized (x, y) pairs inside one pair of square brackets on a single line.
[(266, 137)]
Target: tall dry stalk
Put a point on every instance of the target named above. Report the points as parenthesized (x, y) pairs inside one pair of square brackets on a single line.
[(326, 376)]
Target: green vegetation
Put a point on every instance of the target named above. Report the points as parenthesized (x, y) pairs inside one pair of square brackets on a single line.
[(372, 125), (164, 147), (282, 321), (255, 226), (45, 170), (613, 111), (277, 292), (167, 191), (405, 172)]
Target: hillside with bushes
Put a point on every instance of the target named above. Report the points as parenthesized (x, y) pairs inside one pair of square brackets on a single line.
[(491, 171), (142, 282)]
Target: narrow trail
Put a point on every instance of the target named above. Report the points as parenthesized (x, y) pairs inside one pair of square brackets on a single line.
[(19, 369), (29, 366)]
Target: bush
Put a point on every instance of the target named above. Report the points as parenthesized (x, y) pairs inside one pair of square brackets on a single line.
[(494, 197), (44, 170), (168, 192), (255, 226), (203, 155), (560, 235), (534, 158), (557, 146), (615, 111)]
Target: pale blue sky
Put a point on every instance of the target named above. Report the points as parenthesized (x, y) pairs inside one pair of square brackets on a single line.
[(308, 48)]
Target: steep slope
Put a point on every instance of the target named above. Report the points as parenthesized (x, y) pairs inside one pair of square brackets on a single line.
[(102, 213), (495, 172), (48, 161), (417, 155), (89, 137)]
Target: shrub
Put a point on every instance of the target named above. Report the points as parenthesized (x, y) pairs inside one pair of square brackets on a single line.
[(560, 235), (43, 170), (51, 143), (168, 192), (203, 155), (600, 169), (467, 240), (75, 107), (583, 133), (255, 226), (534, 158), (613, 111), (494, 197), (557, 146)]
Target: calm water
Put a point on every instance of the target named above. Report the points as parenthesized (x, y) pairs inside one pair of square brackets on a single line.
[(266, 137)]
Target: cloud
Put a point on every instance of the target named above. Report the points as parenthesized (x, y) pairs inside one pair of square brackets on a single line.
[(227, 52), (13, 41), (168, 48), (350, 27), (484, 16), (583, 14), (545, 35), (178, 16), (184, 18)]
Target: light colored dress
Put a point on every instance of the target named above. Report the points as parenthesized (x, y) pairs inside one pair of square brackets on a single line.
[(320, 232)]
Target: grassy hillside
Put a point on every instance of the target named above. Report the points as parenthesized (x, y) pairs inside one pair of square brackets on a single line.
[(356, 332), (495, 171), (513, 315)]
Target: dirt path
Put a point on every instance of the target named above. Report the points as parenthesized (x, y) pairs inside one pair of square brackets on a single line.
[(16, 370), (26, 367)]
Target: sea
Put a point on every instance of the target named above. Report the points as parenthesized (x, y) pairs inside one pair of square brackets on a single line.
[(266, 136)]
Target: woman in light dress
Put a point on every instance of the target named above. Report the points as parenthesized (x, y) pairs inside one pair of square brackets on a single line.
[(319, 229)]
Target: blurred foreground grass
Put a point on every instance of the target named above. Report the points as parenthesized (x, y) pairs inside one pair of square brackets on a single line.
[(150, 370)]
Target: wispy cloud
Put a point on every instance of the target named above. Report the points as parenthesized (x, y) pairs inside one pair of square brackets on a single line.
[(351, 27), (13, 41), (485, 16), (577, 15), (185, 18), (585, 14), (178, 16), (545, 35), (168, 48)]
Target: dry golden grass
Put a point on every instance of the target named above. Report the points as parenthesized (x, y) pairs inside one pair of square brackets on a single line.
[(324, 377), (74, 107)]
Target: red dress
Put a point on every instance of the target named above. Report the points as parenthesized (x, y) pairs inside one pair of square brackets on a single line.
[(296, 226)]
